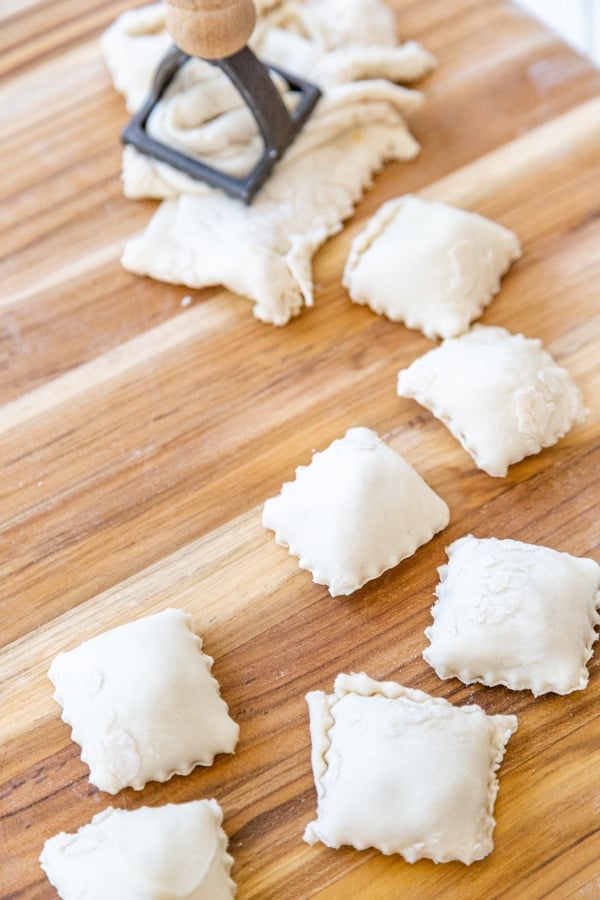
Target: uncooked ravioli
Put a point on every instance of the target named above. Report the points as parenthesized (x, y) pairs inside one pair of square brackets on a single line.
[(404, 772), (515, 614), (501, 395), (357, 510), (177, 851), (428, 265), (142, 703)]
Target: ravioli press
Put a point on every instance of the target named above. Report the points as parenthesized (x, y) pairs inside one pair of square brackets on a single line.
[(217, 31)]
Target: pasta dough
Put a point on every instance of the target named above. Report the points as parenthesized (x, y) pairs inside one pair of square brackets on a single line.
[(328, 41), (350, 50), (428, 265), (514, 614), (142, 703), (500, 394), (404, 772), (354, 512), (173, 851)]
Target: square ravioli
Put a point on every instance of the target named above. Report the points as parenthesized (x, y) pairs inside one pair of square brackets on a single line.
[(178, 850), (514, 614), (354, 512), (429, 265), (142, 703), (404, 772), (500, 394)]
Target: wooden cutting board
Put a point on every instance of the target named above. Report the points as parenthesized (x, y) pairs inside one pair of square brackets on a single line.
[(140, 437)]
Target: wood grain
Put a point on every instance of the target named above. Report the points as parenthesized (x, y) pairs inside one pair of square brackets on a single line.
[(139, 439)]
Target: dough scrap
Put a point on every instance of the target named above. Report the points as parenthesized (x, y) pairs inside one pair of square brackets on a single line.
[(404, 772), (429, 265), (142, 703), (357, 510), (501, 395), (326, 41), (175, 851), (515, 614), (200, 237)]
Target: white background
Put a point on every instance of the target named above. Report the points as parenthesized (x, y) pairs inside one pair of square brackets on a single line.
[(576, 21)]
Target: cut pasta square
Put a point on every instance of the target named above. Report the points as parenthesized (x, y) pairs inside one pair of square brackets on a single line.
[(514, 614), (354, 512), (178, 850), (142, 703), (500, 394), (429, 265), (404, 772)]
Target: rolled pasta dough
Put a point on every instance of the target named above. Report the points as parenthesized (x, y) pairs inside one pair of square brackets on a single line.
[(200, 236)]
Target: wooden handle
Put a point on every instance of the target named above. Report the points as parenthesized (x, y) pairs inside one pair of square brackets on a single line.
[(211, 29)]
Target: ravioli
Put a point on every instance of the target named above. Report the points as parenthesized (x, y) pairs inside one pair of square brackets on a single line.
[(357, 510), (404, 772), (429, 265), (176, 851), (142, 703), (501, 395), (514, 614)]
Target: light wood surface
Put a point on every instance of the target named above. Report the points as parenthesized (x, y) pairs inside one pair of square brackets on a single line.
[(140, 437)]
